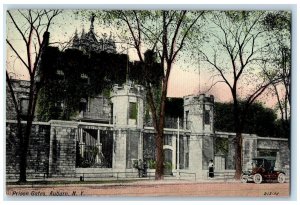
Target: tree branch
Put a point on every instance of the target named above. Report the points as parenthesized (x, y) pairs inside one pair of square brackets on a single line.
[(10, 45)]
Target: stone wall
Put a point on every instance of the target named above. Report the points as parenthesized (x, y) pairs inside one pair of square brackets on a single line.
[(195, 153), (230, 163), (21, 90), (249, 149), (52, 149), (99, 105), (132, 147), (96, 104), (38, 151), (62, 154), (254, 146), (207, 150), (280, 146), (119, 150)]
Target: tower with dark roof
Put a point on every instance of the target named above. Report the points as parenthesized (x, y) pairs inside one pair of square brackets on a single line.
[(88, 42)]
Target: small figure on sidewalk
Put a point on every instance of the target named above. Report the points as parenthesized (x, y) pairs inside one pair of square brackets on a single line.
[(211, 169), (145, 167), (140, 168)]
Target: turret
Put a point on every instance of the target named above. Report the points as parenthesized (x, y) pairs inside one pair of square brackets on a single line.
[(198, 113), (128, 105)]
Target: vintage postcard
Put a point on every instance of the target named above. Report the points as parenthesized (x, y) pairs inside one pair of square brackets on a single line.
[(148, 103)]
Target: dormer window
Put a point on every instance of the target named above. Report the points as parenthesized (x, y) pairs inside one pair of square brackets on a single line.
[(85, 78), (60, 72)]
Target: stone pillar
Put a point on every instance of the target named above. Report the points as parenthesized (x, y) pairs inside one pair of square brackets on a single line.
[(185, 150), (231, 153), (119, 155), (249, 149), (278, 161), (81, 143), (99, 146), (62, 156), (174, 151), (195, 155), (207, 150), (140, 146)]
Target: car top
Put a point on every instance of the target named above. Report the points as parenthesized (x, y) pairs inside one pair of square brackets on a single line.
[(267, 158)]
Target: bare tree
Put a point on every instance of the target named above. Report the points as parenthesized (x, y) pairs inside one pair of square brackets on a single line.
[(32, 26), (239, 42), (165, 33)]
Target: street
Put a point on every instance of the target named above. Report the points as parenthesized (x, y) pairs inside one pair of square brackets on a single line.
[(204, 189)]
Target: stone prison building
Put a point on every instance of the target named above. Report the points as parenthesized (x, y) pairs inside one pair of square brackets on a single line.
[(110, 143)]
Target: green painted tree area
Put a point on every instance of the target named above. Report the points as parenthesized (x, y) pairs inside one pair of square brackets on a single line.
[(71, 76), (260, 120)]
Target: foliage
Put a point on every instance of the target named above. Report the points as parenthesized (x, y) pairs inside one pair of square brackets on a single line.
[(64, 86), (174, 107), (168, 165), (152, 164), (71, 75), (147, 72), (278, 25), (283, 128), (221, 145), (260, 120)]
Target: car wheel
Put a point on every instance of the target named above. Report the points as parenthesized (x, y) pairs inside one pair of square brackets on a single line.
[(244, 178), (281, 178), (257, 178)]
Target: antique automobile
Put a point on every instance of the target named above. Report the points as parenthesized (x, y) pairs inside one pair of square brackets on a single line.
[(263, 169)]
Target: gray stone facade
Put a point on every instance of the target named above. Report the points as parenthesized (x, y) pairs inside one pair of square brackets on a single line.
[(70, 148), (62, 153), (38, 152)]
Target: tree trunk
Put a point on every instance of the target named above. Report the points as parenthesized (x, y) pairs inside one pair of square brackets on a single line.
[(238, 137), (22, 156), (238, 155), (160, 130), (33, 94), (23, 164), (159, 171)]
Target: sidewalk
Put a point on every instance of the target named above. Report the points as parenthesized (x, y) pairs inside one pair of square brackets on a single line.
[(66, 182)]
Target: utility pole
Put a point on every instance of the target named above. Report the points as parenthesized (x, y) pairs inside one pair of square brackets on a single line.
[(178, 176), (199, 60)]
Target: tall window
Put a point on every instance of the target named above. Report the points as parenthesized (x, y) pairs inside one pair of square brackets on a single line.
[(186, 119), (133, 110), (112, 113), (83, 105), (206, 117)]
